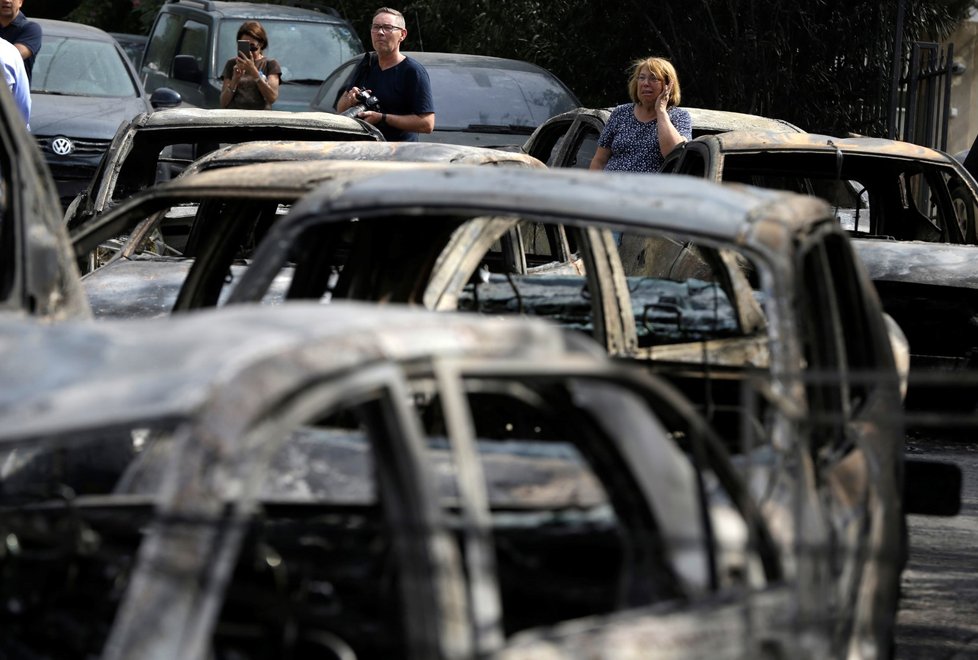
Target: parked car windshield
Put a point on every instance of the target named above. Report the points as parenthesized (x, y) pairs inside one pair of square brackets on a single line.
[(81, 67), (483, 96), (306, 51), (506, 97)]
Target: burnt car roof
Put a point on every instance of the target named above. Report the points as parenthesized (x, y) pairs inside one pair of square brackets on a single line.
[(134, 157), (192, 117), (769, 140), (264, 12), (193, 352), (706, 120), (684, 205), (259, 151)]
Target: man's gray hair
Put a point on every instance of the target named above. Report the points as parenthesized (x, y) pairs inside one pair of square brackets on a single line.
[(392, 12)]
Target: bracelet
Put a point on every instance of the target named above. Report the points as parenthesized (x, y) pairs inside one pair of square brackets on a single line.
[(383, 118)]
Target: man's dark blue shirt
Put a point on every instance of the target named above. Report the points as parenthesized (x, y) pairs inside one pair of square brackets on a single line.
[(27, 32), (403, 89)]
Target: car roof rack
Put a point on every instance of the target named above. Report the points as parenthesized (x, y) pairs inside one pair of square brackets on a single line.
[(208, 5), (315, 6)]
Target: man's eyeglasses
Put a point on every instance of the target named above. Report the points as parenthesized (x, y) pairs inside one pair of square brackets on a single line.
[(384, 29)]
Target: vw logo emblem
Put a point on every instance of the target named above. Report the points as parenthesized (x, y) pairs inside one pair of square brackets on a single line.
[(62, 146)]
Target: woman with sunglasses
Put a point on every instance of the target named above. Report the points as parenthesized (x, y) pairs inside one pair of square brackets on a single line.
[(251, 80)]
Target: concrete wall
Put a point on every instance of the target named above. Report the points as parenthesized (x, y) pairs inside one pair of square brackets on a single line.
[(963, 125)]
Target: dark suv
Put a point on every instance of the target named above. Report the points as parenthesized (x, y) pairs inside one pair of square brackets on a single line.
[(192, 39)]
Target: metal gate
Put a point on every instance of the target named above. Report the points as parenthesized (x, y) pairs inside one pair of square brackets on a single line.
[(920, 94)]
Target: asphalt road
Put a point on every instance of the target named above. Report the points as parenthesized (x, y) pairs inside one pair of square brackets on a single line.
[(938, 617)]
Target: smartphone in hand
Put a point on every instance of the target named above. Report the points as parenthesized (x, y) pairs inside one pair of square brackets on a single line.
[(244, 47)]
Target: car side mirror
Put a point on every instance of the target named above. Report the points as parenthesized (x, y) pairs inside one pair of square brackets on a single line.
[(185, 68), (931, 488), (164, 97)]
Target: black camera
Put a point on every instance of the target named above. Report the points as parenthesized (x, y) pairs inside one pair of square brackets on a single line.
[(365, 101)]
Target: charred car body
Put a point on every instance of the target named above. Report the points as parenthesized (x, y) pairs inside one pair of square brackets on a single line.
[(166, 248), (897, 200), (155, 146), (373, 483), (736, 295), (570, 139)]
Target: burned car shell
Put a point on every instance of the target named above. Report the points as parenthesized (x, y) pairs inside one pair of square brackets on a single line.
[(39, 276), (158, 568), (139, 283), (920, 203), (570, 139), (914, 193), (931, 290), (434, 228), (136, 154), (271, 151)]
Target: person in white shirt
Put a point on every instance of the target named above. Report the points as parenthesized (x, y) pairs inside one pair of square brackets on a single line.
[(15, 75)]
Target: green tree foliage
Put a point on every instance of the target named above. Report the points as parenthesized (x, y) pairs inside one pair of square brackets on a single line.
[(825, 65)]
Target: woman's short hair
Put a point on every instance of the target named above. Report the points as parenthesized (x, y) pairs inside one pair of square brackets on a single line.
[(254, 30), (662, 69)]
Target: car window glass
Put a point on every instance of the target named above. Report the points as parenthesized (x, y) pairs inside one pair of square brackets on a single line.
[(506, 97), (306, 50), (330, 88), (194, 42), (163, 45), (81, 67)]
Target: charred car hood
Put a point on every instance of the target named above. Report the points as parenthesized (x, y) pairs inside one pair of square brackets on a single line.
[(918, 262), (81, 116)]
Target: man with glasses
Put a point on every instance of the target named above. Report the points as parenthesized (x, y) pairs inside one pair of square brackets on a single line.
[(400, 83)]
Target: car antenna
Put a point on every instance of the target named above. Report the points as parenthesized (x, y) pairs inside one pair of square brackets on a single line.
[(417, 23)]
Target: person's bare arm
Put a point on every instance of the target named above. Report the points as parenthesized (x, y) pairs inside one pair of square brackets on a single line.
[(669, 137), (411, 123), (348, 99), (25, 52), (600, 160), (228, 90), (268, 87)]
